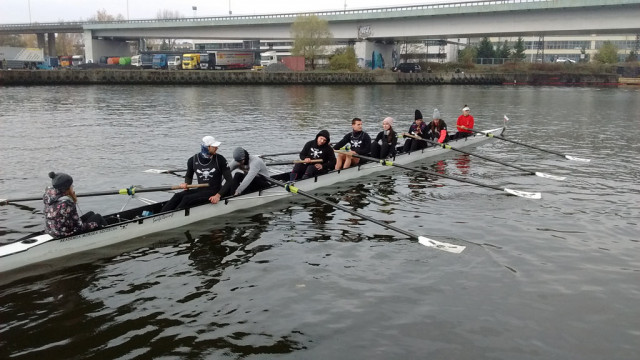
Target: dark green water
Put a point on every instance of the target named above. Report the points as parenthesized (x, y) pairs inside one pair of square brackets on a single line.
[(555, 278)]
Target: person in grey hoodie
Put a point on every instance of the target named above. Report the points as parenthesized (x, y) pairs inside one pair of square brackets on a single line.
[(61, 214), (247, 168)]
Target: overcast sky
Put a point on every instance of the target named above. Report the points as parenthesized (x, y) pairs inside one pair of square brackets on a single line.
[(17, 11)]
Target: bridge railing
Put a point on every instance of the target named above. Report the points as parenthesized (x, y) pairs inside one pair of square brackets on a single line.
[(284, 15)]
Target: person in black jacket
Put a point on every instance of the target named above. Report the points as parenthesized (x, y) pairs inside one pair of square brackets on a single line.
[(418, 128), (355, 142), (209, 168), (385, 143), (315, 149)]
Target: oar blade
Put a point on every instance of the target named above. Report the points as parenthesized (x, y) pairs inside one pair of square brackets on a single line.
[(156, 171), (524, 194), (549, 176), (456, 249), (573, 158)]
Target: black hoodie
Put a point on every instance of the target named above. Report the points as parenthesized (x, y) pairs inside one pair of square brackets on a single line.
[(325, 152)]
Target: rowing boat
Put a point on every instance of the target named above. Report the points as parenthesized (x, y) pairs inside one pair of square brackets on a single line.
[(130, 224)]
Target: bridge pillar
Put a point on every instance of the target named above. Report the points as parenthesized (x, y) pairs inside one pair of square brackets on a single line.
[(41, 42), (96, 48), (51, 44), (369, 54)]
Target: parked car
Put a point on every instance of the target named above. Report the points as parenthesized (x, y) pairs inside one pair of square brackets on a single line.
[(565, 60), (407, 68)]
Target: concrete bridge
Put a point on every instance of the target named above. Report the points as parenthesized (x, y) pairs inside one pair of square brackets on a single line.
[(371, 26)]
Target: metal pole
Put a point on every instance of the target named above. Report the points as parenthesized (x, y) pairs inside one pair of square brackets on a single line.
[(29, 2), (229, 7), (127, 9)]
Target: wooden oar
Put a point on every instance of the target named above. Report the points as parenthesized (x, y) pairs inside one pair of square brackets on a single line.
[(279, 154), (569, 157), (315, 161), (456, 249), (447, 146), (290, 162), (127, 191), (524, 194)]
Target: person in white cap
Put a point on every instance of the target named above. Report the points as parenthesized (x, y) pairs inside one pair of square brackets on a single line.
[(210, 168), (465, 120), (437, 128)]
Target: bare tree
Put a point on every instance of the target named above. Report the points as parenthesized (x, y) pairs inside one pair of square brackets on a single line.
[(103, 15), (165, 44)]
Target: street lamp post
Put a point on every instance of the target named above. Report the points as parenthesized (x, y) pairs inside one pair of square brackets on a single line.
[(229, 7), (29, 3)]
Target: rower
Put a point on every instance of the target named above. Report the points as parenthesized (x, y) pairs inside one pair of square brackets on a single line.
[(465, 124), (418, 128), (385, 143), (245, 169), (357, 142), (209, 168), (315, 149), (60, 211), (437, 128)]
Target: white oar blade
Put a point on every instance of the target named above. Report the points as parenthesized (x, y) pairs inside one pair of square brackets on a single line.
[(456, 249), (156, 171), (576, 158), (549, 176), (524, 194)]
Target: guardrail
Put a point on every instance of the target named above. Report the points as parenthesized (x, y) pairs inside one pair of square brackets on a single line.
[(283, 15)]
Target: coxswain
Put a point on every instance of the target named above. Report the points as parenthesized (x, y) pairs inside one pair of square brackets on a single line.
[(60, 211)]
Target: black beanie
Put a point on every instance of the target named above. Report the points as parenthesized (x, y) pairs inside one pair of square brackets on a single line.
[(60, 181), (418, 115)]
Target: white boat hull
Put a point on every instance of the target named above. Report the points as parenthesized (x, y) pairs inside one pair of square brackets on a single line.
[(44, 248)]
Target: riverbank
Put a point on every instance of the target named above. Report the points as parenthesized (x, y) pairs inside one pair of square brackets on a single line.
[(153, 77)]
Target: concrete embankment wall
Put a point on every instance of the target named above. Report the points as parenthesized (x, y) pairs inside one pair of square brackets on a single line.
[(123, 77)]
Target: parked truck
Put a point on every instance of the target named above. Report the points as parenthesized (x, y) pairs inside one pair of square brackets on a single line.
[(191, 61), (19, 58), (204, 61), (174, 62), (77, 60), (160, 61), (227, 59)]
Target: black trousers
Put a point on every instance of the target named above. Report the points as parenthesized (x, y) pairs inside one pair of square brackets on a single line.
[(93, 217), (304, 171), (188, 198), (258, 183), (411, 145), (382, 151), (460, 135)]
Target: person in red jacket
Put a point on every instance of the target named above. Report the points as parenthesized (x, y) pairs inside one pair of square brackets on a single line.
[(465, 120)]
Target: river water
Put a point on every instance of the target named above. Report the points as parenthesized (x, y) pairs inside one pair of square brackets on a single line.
[(556, 278)]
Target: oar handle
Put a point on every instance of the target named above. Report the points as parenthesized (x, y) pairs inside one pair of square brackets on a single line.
[(126, 191), (314, 161)]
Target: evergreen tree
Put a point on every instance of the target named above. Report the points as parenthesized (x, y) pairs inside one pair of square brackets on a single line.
[(504, 51), (518, 50), (485, 49)]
